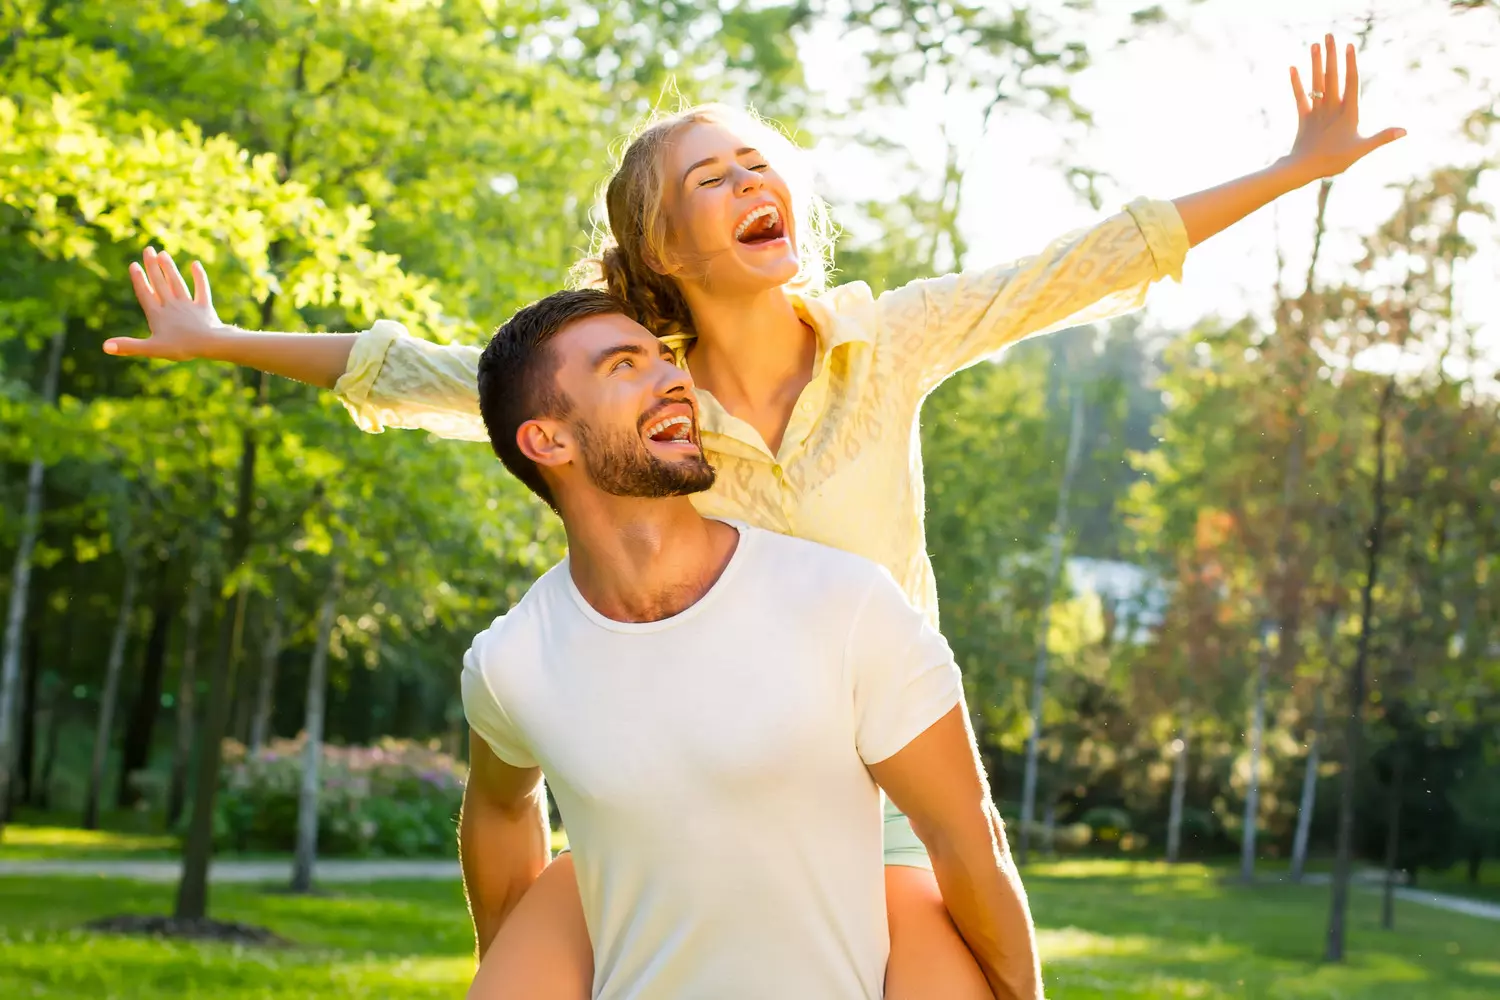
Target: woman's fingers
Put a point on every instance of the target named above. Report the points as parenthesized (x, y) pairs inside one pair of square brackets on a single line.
[(1303, 105), (151, 261), (201, 294), (1316, 76), (126, 346), (1351, 82), (145, 294), (1379, 139), (174, 276), (1330, 86)]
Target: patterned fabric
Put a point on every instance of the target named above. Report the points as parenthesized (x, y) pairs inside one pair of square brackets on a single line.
[(849, 469)]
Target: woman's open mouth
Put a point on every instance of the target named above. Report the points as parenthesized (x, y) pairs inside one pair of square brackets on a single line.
[(761, 227)]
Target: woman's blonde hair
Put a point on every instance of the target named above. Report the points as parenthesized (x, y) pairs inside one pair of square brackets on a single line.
[(631, 228)]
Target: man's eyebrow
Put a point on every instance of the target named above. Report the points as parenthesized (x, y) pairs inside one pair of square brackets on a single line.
[(616, 351), (707, 160)]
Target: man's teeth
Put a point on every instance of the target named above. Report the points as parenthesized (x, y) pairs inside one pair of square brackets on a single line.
[(764, 212), (663, 425)]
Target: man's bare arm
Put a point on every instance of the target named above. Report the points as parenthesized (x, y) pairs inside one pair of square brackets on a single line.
[(504, 840), (938, 782)]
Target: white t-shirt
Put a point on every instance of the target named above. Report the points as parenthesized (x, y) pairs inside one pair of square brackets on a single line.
[(710, 768)]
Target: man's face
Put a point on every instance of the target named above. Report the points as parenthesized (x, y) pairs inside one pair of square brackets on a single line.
[(633, 423)]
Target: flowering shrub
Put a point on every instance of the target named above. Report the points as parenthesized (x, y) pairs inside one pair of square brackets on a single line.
[(396, 799)]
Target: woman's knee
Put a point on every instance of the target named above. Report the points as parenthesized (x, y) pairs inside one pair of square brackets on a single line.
[(929, 960), (542, 951)]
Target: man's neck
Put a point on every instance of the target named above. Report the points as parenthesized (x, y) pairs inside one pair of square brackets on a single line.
[(643, 560)]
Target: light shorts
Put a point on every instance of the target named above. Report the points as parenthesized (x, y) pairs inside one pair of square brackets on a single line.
[(901, 844)]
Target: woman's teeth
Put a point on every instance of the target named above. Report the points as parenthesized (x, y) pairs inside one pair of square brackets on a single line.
[(766, 218)]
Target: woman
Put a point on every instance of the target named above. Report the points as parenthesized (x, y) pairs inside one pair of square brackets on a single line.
[(809, 399)]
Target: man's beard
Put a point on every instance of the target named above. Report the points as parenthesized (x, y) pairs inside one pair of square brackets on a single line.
[(621, 465)]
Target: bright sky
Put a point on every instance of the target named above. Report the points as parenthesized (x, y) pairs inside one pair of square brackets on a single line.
[(1198, 103)]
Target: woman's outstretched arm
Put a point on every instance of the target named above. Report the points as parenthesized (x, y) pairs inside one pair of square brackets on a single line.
[(1328, 143), (184, 326), (940, 325), (385, 377)]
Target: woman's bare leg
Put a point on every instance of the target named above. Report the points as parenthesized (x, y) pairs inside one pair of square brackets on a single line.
[(542, 951), (929, 960)]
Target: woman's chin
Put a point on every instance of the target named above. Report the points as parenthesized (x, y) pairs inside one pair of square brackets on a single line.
[(768, 266)]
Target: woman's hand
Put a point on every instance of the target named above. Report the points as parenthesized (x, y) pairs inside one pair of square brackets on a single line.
[(1328, 140), (183, 325)]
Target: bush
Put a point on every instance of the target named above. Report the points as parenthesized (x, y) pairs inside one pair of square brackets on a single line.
[(1109, 823), (395, 799)]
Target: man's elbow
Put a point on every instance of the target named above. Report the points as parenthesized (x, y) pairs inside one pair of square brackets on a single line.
[(972, 836)]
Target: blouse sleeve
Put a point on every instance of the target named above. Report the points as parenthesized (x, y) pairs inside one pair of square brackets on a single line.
[(943, 325), (396, 380)]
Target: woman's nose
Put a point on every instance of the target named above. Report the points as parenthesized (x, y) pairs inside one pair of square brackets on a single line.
[(748, 180)]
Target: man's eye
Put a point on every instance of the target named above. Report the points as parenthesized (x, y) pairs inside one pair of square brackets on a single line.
[(622, 363)]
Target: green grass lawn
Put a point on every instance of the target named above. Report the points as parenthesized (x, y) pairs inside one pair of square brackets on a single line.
[(20, 842), (1109, 929), (32, 842)]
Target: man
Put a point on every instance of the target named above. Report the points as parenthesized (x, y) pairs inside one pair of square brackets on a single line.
[(710, 702)]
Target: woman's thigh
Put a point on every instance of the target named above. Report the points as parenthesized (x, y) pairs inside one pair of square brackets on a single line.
[(542, 952), (929, 960)]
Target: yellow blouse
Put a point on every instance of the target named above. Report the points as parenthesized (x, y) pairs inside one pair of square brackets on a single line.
[(849, 469)]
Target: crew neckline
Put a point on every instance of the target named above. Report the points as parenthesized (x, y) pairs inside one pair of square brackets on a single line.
[(686, 614)]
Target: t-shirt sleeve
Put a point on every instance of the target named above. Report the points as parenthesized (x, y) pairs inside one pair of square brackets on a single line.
[(485, 712), (903, 672)]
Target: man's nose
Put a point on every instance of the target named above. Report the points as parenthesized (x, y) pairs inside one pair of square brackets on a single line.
[(672, 380)]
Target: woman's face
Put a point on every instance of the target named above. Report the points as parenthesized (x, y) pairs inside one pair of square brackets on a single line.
[(731, 228)]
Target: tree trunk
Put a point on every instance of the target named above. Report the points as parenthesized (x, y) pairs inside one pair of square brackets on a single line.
[(142, 724), (1044, 625), (1049, 828), (192, 891), (265, 693), (187, 680), (1309, 791), (1252, 792), (1476, 862), (1343, 848), (20, 580), (21, 789), (312, 752), (53, 722), (1393, 836), (111, 690), (1179, 794)]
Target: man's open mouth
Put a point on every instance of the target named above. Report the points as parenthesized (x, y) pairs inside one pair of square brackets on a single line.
[(760, 225), (674, 429)]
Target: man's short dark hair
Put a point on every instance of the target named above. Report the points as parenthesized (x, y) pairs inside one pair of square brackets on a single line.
[(518, 374)]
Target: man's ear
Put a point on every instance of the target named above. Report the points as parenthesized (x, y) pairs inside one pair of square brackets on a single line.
[(546, 442)]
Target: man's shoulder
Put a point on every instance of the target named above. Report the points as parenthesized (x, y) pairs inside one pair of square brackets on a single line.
[(803, 566), (519, 630)]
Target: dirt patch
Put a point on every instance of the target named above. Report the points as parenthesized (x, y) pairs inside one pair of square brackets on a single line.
[(221, 931)]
